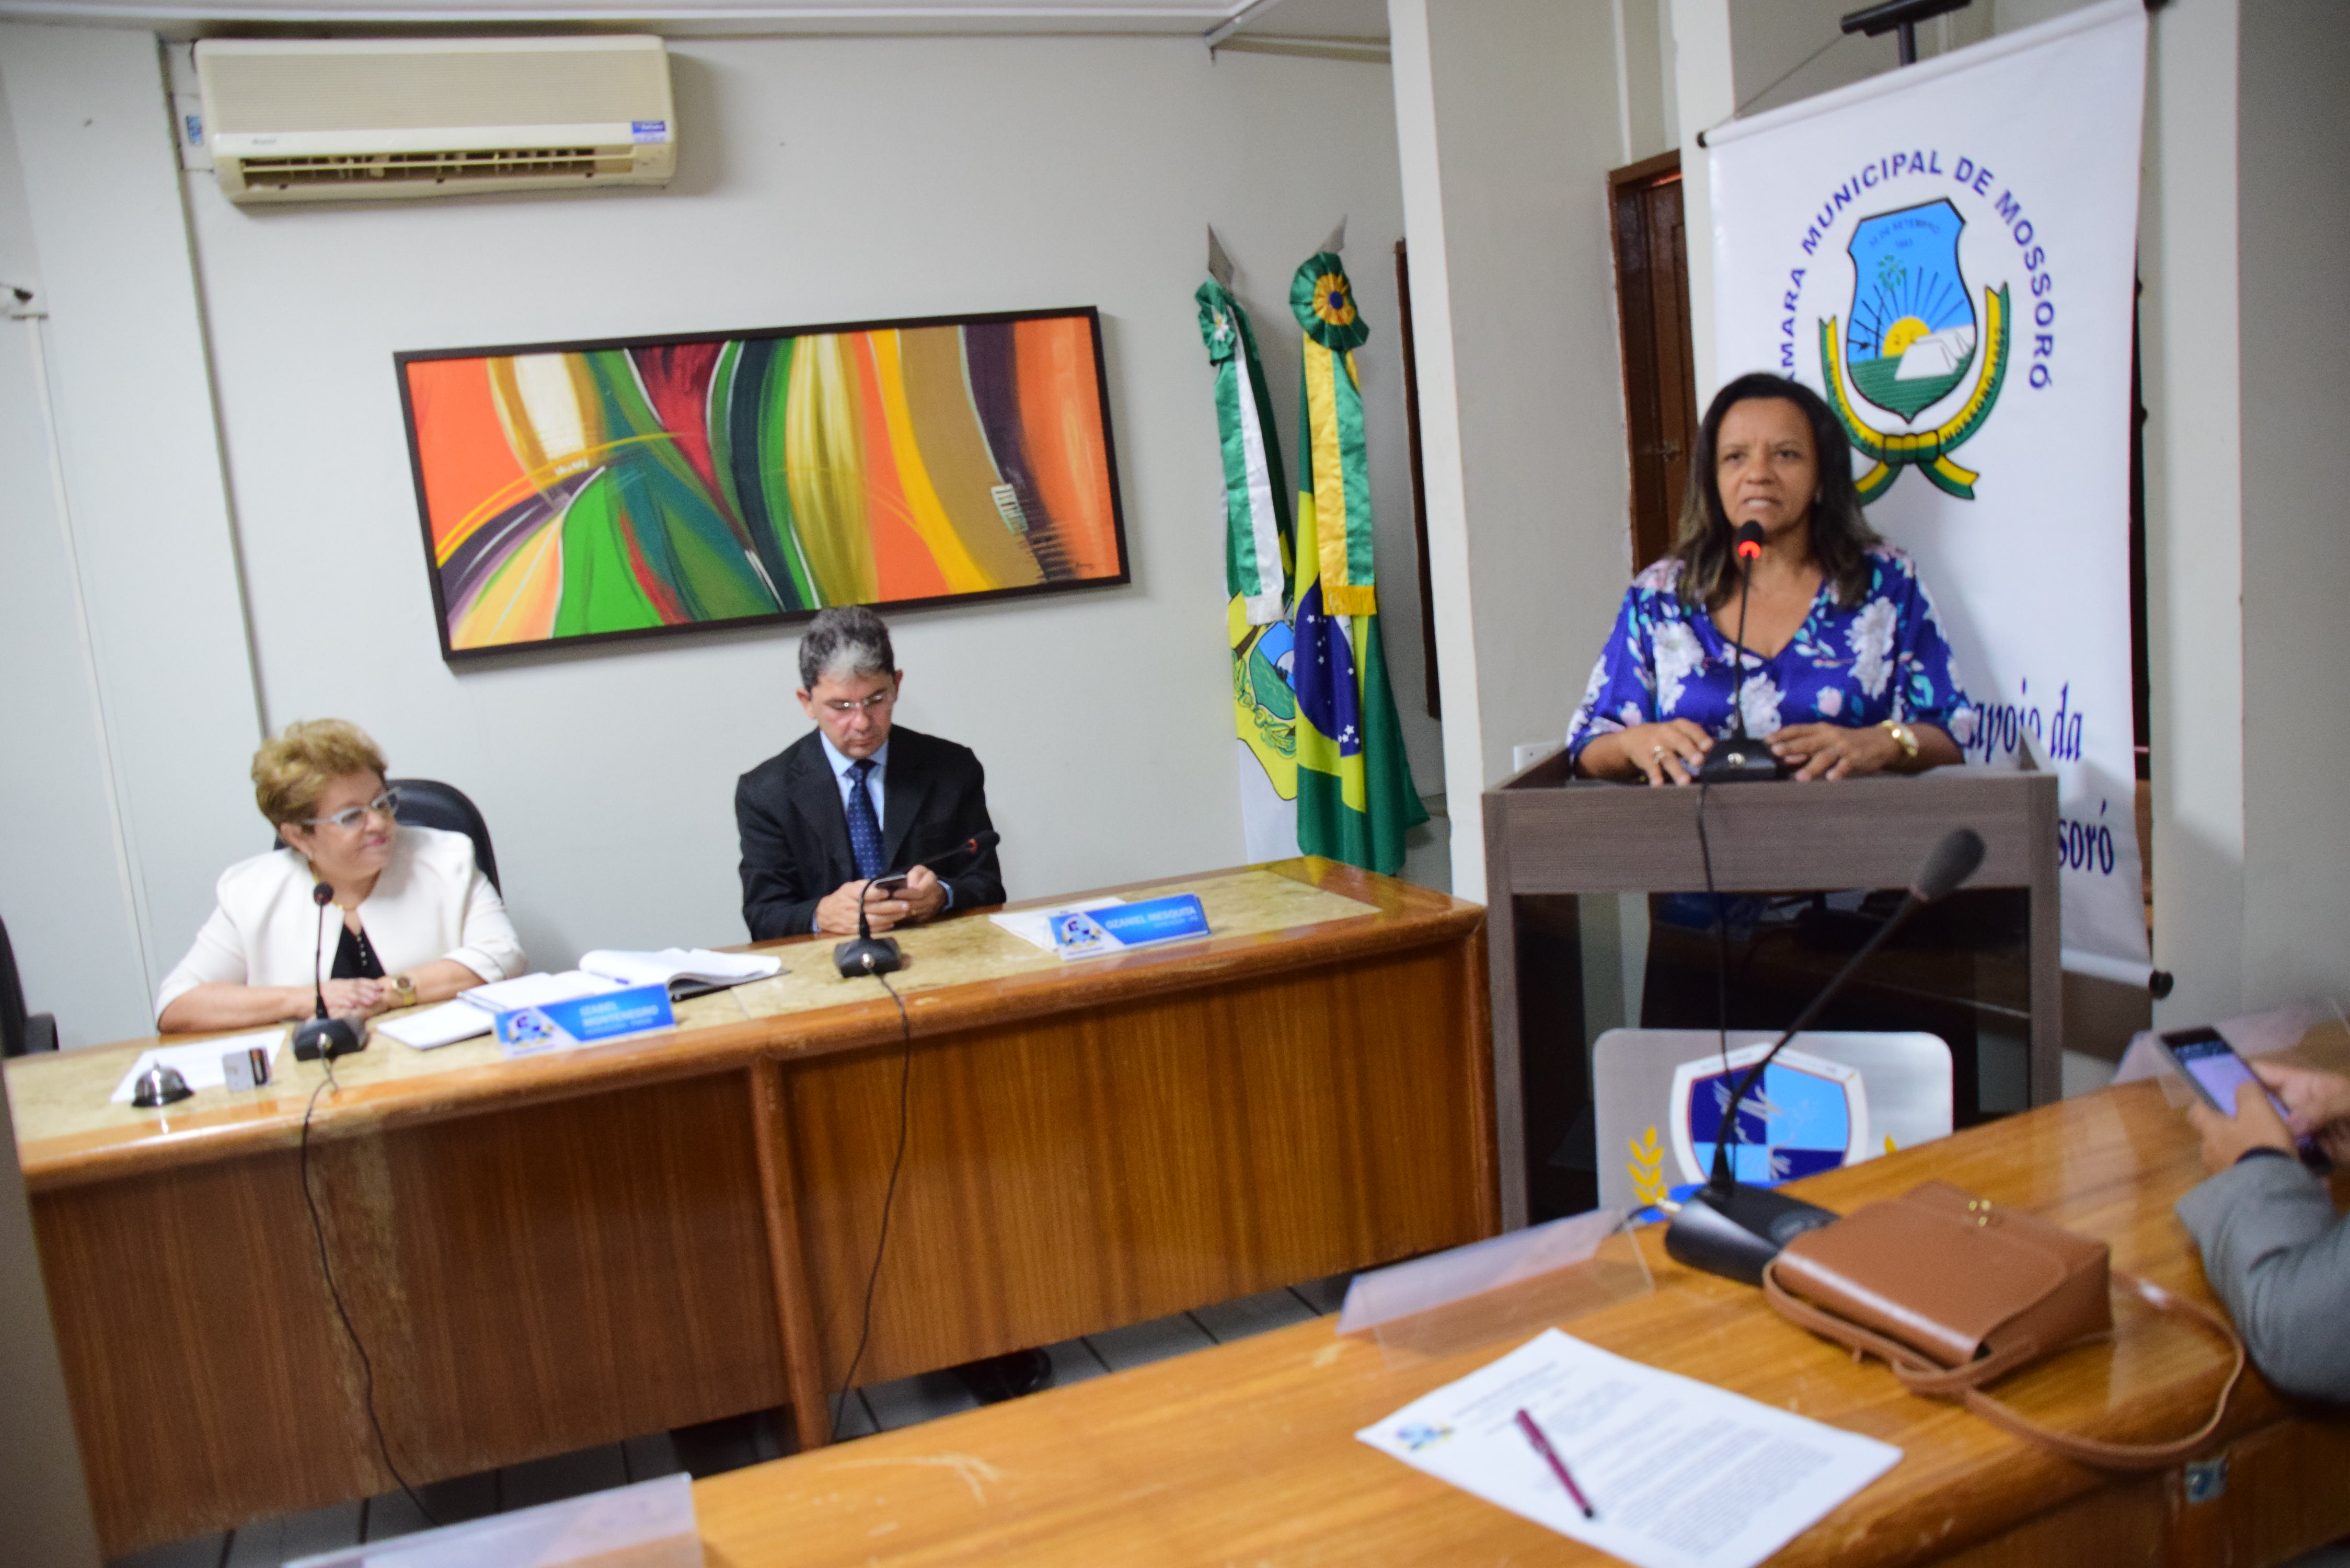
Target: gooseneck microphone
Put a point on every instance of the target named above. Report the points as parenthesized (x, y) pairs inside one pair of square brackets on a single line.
[(320, 1035), (866, 953), (1733, 1231), (1738, 758)]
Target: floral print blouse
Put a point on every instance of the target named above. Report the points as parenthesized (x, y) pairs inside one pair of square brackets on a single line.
[(1885, 658)]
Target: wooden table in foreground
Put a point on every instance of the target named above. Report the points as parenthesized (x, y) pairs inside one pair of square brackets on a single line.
[(1245, 1453), (547, 1254)]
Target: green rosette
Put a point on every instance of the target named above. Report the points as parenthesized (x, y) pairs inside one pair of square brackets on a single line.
[(1324, 302)]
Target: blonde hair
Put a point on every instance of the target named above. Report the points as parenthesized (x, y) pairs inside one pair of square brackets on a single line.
[(294, 767)]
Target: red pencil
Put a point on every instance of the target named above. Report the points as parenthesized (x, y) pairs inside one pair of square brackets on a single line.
[(1557, 1466)]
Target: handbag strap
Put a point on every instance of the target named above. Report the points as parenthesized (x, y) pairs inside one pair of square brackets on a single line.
[(1923, 1377)]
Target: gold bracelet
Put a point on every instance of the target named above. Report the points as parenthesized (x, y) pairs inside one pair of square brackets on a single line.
[(1904, 735)]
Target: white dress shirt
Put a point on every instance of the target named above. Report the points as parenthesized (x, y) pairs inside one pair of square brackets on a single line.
[(431, 902), (841, 763)]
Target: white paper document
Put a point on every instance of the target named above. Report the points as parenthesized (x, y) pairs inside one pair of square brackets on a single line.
[(1680, 1473), (199, 1063), (1035, 926), (437, 1026), (537, 990)]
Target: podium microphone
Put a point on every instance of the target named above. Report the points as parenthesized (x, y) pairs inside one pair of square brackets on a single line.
[(320, 1035), (1738, 759), (866, 953), (1734, 1230)]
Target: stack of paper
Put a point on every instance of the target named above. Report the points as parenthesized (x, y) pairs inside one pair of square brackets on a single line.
[(693, 970), (1679, 1474), (473, 1009)]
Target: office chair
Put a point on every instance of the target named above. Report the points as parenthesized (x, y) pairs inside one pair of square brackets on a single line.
[(429, 803), (20, 1032)]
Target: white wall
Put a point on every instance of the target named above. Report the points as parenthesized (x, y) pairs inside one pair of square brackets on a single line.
[(62, 891), (167, 696), (821, 180), (2189, 352), (2294, 208), (1511, 114)]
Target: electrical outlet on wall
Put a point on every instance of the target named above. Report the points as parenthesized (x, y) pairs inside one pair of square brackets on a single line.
[(1523, 757)]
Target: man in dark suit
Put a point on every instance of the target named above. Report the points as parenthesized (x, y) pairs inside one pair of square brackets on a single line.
[(857, 799)]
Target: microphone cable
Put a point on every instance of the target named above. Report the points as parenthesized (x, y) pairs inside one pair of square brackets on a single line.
[(888, 1200), (335, 1294)]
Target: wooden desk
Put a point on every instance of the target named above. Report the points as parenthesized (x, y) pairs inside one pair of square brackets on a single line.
[(545, 1254), (1246, 1454)]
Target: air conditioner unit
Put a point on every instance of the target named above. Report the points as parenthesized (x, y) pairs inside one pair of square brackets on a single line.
[(326, 119)]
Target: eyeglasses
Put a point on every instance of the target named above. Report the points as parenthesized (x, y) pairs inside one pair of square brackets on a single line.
[(862, 704), (350, 818)]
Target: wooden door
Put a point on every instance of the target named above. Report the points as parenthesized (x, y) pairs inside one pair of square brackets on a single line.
[(1660, 371)]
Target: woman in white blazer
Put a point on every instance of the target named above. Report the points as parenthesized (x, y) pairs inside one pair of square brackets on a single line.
[(419, 922)]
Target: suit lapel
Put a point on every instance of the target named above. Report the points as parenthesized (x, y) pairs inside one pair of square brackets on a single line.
[(902, 796), (817, 791)]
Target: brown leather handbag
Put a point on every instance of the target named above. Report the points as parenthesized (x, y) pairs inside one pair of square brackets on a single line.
[(1952, 1292)]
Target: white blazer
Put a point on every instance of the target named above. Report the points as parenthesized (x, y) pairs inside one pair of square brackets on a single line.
[(432, 902)]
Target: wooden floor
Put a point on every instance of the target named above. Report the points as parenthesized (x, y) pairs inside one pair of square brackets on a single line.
[(884, 1406)]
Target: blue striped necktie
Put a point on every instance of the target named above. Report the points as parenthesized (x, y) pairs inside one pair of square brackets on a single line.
[(863, 827)]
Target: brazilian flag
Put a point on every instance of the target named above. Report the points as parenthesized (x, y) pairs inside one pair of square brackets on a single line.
[(1354, 794)]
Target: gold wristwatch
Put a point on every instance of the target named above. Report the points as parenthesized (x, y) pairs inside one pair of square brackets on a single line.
[(404, 990), (1906, 737)]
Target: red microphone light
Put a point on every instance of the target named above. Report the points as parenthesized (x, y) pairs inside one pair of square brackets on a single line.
[(1748, 549)]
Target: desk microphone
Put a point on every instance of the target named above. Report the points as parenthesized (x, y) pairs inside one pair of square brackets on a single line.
[(866, 953), (1738, 759), (978, 843), (1734, 1230), (320, 1035)]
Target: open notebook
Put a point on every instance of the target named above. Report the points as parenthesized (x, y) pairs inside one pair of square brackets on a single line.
[(687, 971)]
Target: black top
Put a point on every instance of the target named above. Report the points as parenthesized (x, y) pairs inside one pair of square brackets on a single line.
[(355, 958), (795, 831)]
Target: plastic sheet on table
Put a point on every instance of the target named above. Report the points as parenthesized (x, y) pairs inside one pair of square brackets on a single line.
[(647, 1525), (1508, 1287), (2308, 1033)]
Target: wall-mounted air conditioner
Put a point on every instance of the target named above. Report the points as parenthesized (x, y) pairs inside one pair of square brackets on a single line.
[(324, 120)]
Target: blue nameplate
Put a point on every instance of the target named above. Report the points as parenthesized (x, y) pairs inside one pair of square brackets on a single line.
[(584, 1020), (1119, 928)]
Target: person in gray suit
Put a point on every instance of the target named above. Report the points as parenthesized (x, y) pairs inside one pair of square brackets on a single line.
[(2273, 1247)]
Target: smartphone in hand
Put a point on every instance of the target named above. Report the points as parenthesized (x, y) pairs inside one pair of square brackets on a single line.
[(2213, 1070)]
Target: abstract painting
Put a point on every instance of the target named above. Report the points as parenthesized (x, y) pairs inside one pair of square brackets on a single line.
[(580, 491)]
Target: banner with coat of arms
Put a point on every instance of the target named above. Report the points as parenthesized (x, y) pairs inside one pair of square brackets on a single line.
[(1947, 254)]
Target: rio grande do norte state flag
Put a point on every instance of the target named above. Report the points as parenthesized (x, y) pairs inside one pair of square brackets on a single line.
[(1322, 757)]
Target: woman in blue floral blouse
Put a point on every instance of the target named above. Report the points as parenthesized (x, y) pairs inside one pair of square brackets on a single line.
[(1845, 669)]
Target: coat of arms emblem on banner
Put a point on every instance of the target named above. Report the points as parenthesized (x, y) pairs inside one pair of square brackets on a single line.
[(1914, 336)]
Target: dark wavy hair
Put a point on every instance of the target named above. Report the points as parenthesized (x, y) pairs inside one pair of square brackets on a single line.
[(1841, 535)]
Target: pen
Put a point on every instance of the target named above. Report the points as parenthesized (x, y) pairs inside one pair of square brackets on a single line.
[(1557, 1466)]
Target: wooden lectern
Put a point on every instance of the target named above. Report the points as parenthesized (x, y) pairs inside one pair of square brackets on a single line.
[(1547, 835)]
